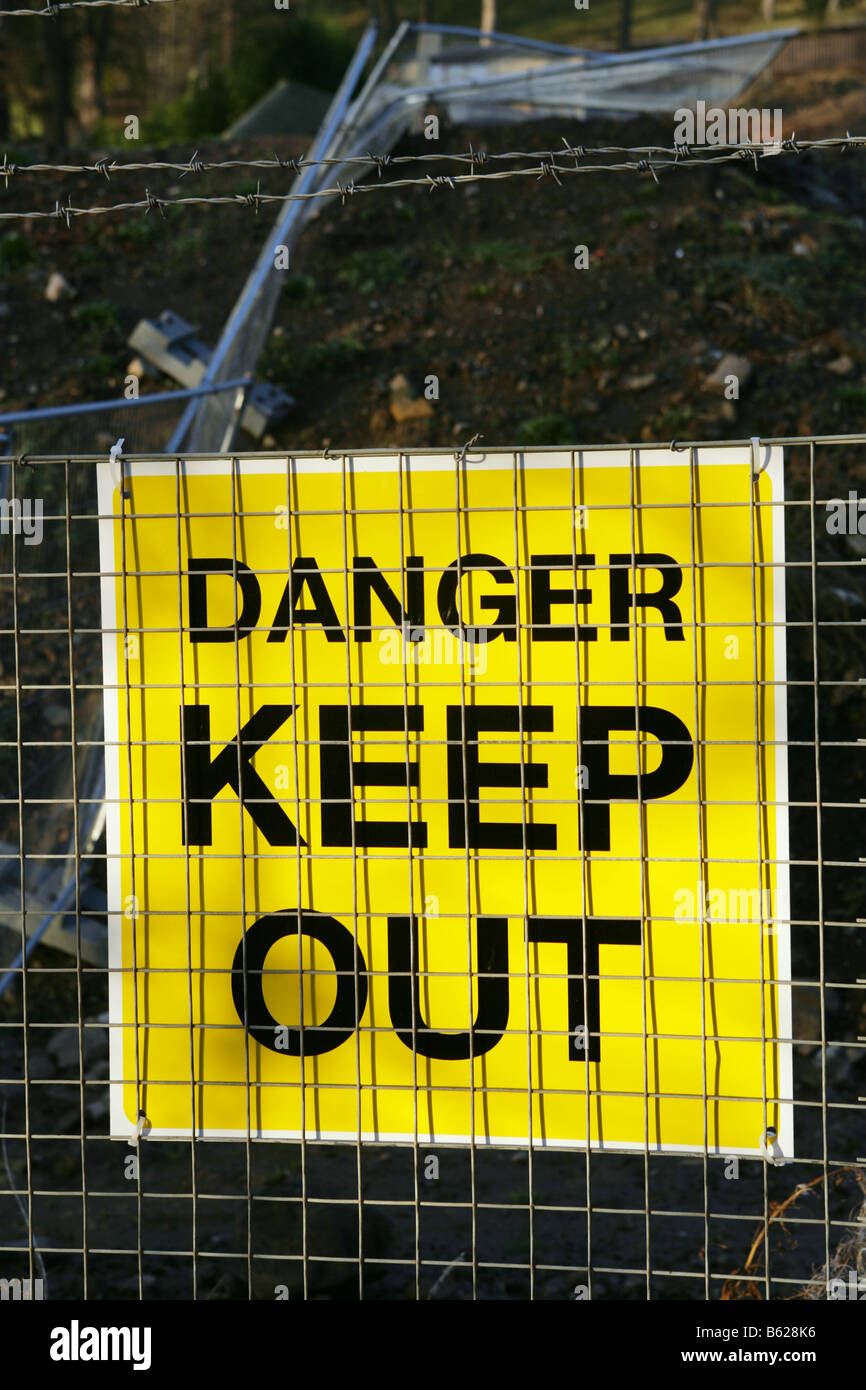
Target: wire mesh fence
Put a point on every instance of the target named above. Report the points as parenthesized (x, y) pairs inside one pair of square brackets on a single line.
[(697, 1143)]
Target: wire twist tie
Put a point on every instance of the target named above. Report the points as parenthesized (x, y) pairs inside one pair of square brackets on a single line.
[(380, 160), (461, 457), (253, 200), (195, 166), (153, 202), (547, 167), (440, 181)]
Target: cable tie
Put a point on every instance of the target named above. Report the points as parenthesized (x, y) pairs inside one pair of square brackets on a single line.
[(757, 466), (142, 1124)]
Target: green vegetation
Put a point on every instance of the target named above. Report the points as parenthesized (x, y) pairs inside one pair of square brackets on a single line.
[(143, 232), (577, 357), (653, 21), (313, 51), (16, 251), (675, 423), (851, 395), (99, 366), (772, 275), (290, 361), (99, 318), (301, 289), (547, 429), (508, 255), (368, 271), (573, 357), (186, 244)]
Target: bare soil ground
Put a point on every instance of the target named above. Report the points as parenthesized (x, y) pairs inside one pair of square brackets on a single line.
[(479, 289)]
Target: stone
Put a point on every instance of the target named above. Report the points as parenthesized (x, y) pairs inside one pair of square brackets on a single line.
[(403, 405), (842, 366), (639, 382), (58, 287), (403, 408), (729, 365)]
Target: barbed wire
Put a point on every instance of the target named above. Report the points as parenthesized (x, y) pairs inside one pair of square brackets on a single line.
[(548, 166), (52, 11), (107, 166)]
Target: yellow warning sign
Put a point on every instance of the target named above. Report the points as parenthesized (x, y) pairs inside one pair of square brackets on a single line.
[(447, 798)]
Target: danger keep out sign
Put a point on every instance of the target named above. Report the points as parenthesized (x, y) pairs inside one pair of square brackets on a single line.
[(447, 800)]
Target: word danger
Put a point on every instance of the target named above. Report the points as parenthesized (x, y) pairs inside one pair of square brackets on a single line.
[(307, 599), (581, 938)]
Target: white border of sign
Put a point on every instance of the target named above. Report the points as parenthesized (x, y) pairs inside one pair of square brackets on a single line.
[(489, 460)]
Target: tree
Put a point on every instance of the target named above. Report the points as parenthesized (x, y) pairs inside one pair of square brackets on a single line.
[(388, 15), (768, 10), (59, 55), (4, 100), (90, 102), (705, 18), (625, 25), (488, 15)]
